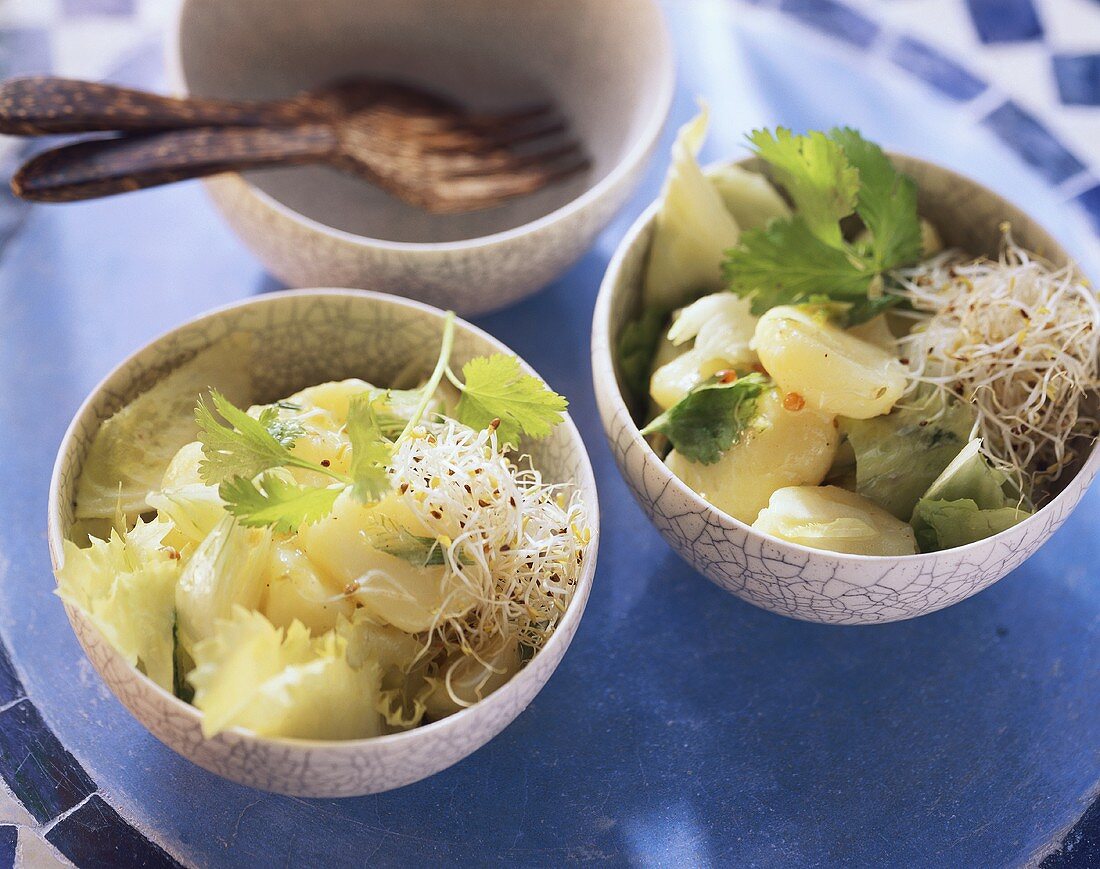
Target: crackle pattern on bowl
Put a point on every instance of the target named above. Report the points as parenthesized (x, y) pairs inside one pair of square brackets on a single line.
[(308, 337), (785, 578)]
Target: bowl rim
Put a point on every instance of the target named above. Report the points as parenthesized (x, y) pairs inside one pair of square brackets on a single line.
[(573, 613), (636, 153), (606, 381)]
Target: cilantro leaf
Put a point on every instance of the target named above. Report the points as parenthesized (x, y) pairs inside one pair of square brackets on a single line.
[(277, 502), (285, 431), (394, 539), (496, 388), (710, 419), (816, 173), (887, 202), (637, 345), (371, 452), (784, 263), (241, 446)]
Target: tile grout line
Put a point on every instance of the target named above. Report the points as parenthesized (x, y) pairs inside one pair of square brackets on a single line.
[(45, 828)]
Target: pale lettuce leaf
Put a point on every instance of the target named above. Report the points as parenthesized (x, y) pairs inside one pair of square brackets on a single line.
[(133, 448), (970, 501), (900, 454), (692, 230), (748, 196), (226, 569), (125, 586), (252, 675)]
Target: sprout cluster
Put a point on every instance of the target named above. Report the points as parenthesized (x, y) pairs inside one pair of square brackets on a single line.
[(512, 542), (1019, 340)]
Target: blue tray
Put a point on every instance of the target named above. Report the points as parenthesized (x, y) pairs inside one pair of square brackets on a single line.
[(684, 726)]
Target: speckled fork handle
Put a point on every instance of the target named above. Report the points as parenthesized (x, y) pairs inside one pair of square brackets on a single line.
[(42, 105), (94, 168)]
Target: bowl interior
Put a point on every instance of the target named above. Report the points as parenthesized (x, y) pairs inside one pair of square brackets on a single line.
[(967, 215), (604, 64), (287, 341)]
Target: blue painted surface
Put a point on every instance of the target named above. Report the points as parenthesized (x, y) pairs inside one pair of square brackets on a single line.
[(683, 725), (1078, 77), (1005, 20), (1034, 143), (79, 8), (937, 69)]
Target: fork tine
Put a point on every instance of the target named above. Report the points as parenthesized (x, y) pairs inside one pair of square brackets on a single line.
[(482, 165), (459, 139), (488, 121), (474, 193)]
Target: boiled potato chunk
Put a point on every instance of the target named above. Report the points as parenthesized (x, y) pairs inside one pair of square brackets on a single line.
[(334, 396), (673, 381), (827, 517), (834, 371), (782, 448), (722, 325), (183, 470), (392, 589), (470, 680), (295, 589)]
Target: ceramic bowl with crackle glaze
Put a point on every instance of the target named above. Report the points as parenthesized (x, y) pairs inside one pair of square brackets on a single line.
[(285, 342), (787, 578), (607, 65)]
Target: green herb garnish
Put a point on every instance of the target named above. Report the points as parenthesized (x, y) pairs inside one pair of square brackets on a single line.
[(371, 452), (238, 447), (710, 419), (637, 347), (495, 387), (828, 178), (275, 501)]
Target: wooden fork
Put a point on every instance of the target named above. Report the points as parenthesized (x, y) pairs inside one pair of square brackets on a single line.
[(421, 147)]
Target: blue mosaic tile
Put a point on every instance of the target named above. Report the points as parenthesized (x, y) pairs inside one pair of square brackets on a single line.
[(1078, 77), (1033, 142), (834, 18), (1081, 847), (1090, 200), (10, 686), (1005, 20), (96, 837), (9, 839), (75, 8), (937, 69), (23, 51), (41, 773)]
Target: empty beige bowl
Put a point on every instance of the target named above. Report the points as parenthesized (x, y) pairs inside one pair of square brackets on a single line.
[(607, 65), (784, 577), (307, 337)]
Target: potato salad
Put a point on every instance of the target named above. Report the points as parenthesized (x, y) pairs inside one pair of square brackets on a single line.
[(812, 362), (342, 563)]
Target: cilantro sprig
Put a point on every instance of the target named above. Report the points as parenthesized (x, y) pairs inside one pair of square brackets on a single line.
[(829, 177), (496, 388), (711, 418), (241, 453), (275, 501)]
